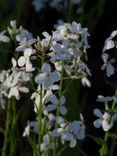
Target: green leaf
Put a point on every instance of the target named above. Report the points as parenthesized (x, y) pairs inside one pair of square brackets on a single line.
[(83, 153), (98, 140), (112, 135), (32, 143)]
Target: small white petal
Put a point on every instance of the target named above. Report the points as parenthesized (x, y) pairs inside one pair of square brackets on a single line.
[(72, 142), (113, 34), (4, 38), (24, 89), (27, 52), (109, 44), (86, 82), (21, 61), (13, 23), (29, 67), (14, 63), (106, 125)]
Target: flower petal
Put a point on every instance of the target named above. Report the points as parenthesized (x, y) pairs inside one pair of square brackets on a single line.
[(55, 76), (97, 113), (46, 68), (40, 78), (98, 123), (21, 61)]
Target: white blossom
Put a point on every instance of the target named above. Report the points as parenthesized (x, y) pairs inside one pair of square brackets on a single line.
[(105, 120), (3, 37), (110, 70), (56, 104), (47, 77), (25, 60)]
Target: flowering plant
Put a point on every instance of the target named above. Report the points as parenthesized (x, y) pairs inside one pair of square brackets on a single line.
[(42, 69)]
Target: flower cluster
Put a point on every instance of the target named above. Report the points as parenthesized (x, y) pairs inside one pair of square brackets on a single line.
[(62, 55), (15, 80), (108, 116), (107, 57), (44, 64)]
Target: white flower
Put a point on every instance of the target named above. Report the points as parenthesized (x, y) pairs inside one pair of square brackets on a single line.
[(47, 77), (4, 38), (36, 97), (13, 24), (27, 130), (109, 43), (25, 43), (106, 120), (25, 60), (56, 104), (31, 127), (104, 99), (12, 84), (69, 131), (86, 82), (60, 51), (46, 41), (78, 129), (24, 35), (110, 70)]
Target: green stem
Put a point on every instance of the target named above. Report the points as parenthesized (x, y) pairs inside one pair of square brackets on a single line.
[(103, 149), (40, 122), (5, 148), (57, 112), (62, 150), (13, 142), (112, 147)]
